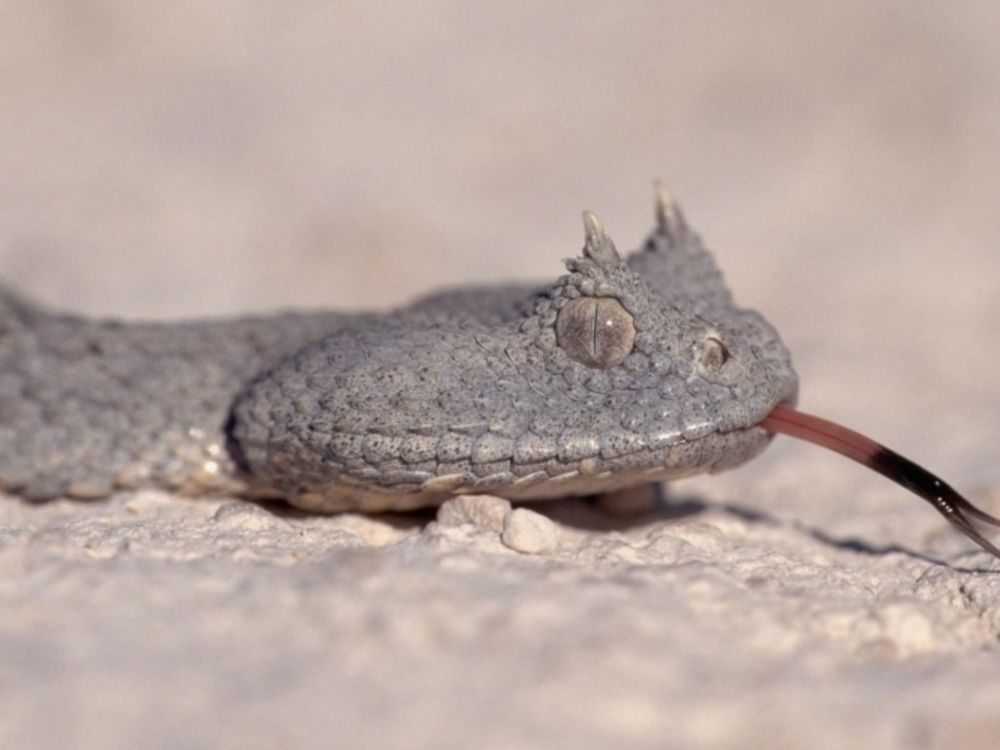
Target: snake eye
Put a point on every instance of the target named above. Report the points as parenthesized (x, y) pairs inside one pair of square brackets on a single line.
[(713, 354), (595, 331)]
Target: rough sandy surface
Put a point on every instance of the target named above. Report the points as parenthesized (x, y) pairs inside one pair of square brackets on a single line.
[(845, 164)]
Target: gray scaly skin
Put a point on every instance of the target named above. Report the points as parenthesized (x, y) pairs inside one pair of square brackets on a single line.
[(620, 373)]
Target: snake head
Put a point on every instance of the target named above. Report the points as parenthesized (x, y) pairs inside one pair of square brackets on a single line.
[(605, 379)]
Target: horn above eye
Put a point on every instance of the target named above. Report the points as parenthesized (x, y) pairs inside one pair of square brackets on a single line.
[(595, 331)]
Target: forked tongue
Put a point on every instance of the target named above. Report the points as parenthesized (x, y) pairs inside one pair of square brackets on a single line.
[(889, 464)]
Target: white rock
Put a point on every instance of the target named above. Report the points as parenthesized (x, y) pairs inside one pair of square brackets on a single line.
[(484, 511), (246, 516), (529, 532)]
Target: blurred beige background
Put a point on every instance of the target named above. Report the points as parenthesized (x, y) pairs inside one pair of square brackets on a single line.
[(842, 159)]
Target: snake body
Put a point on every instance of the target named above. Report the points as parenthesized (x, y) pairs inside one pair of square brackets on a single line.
[(622, 371)]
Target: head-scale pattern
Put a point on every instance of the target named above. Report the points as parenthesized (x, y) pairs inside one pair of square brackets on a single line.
[(615, 375)]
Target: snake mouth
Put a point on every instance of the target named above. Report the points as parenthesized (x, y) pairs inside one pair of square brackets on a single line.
[(958, 511)]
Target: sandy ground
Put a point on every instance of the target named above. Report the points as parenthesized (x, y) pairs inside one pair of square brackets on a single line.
[(189, 159)]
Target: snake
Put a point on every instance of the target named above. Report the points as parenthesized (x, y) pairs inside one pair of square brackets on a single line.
[(626, 370)]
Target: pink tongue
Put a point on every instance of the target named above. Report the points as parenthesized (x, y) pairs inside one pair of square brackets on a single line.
[(886, 462)]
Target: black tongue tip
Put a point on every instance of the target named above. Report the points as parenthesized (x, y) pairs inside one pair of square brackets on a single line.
[(945, 499)]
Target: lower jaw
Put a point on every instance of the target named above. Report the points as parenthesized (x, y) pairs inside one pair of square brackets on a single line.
[(711, 454)]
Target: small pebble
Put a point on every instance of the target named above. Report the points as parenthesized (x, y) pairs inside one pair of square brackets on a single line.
[(529, 532), (244, 516), (148, 501), (484, 511)]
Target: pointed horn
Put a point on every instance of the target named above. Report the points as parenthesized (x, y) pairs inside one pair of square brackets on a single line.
[(669, 219), (598, 245)]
